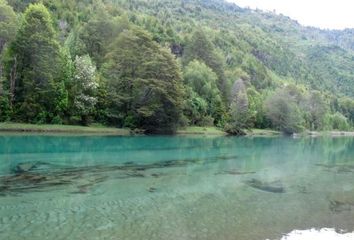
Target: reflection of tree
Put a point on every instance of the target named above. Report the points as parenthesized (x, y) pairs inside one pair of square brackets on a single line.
[(337, 150)]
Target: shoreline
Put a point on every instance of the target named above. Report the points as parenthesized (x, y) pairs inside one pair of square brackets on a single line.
[(315, 134), (20, 128)]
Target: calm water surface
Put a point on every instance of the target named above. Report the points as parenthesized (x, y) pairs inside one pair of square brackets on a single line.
[(173, 188)]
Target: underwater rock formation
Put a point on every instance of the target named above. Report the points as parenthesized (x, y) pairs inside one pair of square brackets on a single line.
[(273, 187), (342, 202), (24, 167), (38, 176), (234, 172), (337, 168)]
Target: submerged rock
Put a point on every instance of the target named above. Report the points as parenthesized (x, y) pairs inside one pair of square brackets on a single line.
[(152, 189), (25, 167), (157, 175), (273, 187), (342, 202), (338, 207), (234, 172), (337, 168)]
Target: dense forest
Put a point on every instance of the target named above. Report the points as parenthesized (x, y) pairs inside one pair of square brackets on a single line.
[(164, 64)]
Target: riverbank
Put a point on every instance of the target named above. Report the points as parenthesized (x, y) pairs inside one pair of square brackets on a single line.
[(324, 134), (72, 129), (58, 129), (102, 130), (213, 131)]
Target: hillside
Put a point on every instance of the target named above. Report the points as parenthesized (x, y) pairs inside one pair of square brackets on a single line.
[(258, 69)]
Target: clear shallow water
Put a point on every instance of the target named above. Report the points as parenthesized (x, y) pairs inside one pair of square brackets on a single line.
[(134, 188)]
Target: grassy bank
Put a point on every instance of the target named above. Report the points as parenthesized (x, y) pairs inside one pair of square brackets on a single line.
[(219, 132), (201, 131), (102, 130), (29, 128), (263, 132), (70, 129)]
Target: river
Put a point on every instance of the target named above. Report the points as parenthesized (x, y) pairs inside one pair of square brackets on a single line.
[(173, 188)]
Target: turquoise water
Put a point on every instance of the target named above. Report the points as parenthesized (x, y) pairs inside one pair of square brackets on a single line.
[(173, 188)]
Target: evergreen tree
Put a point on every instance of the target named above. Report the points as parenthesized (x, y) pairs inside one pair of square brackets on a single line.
[(8, 27), (35, 69)]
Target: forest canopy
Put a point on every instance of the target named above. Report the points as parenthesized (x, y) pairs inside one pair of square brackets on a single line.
[(163, 64)]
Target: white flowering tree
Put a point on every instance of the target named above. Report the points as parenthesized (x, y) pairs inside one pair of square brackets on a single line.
[(85, 85)]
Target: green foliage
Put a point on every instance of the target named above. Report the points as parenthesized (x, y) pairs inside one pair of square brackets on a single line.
[(239, 109), (109, 61), (346, 107), (201, 49), (99, 32), (338, 121), (144, 83), (283, 112), (83, 90), (8, 27), (204, 96), (315, 109), (35, 69), (8, 24)]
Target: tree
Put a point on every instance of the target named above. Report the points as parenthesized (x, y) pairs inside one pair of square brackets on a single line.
[(200, 48), (100, 31), (35, 69), (83, 90), (144, 83), (74, 44), (239, 108), (283, 112), (257, 73), (346, 107), (8, 27), (256, 111), (203, 81), (316, 109), (339, 122), (20, 5), (196, 109)]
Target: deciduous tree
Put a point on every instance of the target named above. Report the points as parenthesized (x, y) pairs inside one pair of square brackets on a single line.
[(144, 83)]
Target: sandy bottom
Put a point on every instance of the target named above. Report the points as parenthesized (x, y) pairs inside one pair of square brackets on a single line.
[(323, 234)]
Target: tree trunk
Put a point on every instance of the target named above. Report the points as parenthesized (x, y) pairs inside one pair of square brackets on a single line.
[(2, 44), (13, 76)]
